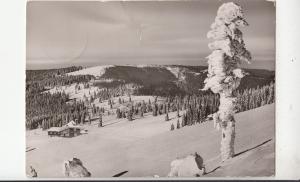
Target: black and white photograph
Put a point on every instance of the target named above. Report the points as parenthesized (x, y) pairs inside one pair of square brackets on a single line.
[(150, 89)]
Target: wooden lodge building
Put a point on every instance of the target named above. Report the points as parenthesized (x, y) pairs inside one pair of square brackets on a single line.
[(69, 130)]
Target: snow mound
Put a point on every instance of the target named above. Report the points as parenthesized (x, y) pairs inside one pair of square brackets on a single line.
[(95, 71)]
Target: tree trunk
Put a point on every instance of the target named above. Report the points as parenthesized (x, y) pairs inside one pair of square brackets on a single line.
[(226, 111), (227, 142)]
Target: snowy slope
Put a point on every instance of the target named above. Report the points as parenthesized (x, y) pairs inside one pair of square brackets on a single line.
[(95, 71), (73, 93), (145, 147)]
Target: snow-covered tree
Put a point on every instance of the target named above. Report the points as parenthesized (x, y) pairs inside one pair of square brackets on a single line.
[(224, 74)]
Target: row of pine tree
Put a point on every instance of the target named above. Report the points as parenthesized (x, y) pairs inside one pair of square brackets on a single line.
[(48, 110)]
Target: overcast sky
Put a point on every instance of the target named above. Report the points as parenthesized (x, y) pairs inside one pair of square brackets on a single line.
[(61, 34)]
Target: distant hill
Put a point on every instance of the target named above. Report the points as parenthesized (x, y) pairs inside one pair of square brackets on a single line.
[(149, 79), (166, 79)]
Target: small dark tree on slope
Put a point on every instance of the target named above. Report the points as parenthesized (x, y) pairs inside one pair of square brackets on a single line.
[(100, 120), (154, 110), (172, 127), (90, 122), (123, 114), (118, 112), (129, 115), (142, 112), (167, 117), (178, 124)]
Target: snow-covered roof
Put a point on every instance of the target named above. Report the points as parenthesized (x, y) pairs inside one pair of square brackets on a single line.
[(56, 129), (71, 123)]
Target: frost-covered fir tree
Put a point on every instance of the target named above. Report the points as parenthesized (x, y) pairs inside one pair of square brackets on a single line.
[(224, 74)]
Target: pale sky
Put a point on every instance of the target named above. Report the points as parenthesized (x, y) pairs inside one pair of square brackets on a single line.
[(61, 34)]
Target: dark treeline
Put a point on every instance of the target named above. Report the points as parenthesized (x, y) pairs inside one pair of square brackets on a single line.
[(189, 79), (163, 89), (40, 75), (117, 90), (41, 80), (51, 109), (108, 93), (204, 104), (39, 86), (196, 108), (252, 98), (55, 110), (47, 110), (170, 89)]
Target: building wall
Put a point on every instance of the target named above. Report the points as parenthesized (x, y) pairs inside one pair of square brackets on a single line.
[(68, 132)]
